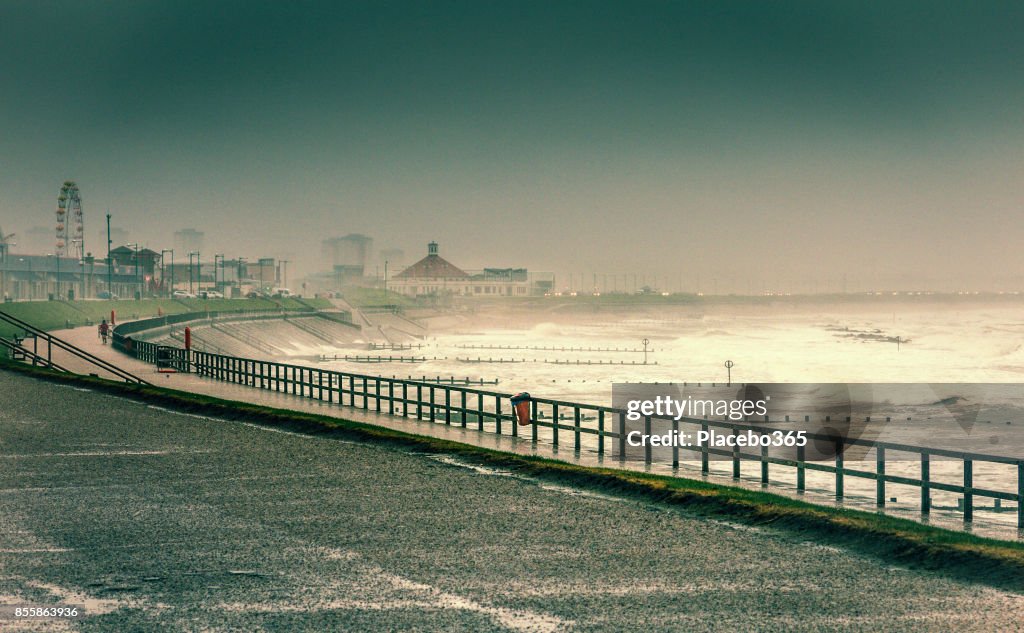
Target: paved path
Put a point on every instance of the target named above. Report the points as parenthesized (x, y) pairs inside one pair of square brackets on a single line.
[(163, 521)]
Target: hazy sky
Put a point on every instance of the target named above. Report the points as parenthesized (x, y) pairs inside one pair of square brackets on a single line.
[(759, 144)]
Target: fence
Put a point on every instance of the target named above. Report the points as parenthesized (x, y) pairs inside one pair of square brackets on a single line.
[(584, 426)]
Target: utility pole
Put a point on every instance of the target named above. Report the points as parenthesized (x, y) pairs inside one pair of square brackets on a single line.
[(190, 254), (163, 268), (217, 285), (110, 271)]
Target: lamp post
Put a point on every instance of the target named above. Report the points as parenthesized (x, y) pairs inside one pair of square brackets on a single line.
[(90, 288), (284, 272), (190, 255), (82, 262), (163, 275), (110, 267), (218, 257), (241, 272)]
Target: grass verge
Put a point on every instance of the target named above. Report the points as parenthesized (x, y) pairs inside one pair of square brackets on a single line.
[(54, 315), (958, 555)]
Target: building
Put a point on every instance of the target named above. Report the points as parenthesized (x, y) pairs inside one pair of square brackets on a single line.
[(188, 241), (143, 264), (435, 276), (351, 255), (42, 277)]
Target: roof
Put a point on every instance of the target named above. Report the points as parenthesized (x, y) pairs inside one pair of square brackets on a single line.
[(432, 266)]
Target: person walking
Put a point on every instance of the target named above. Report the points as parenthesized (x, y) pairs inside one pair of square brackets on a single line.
[(104, 330)]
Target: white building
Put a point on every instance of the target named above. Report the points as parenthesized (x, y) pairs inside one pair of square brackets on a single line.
[(434, 276)]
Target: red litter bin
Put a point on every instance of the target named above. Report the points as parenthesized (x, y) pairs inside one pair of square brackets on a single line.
[(521, 405)]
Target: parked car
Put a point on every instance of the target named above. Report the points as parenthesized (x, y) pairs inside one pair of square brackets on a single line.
[(282, 292), (182, 294), (103, 294), (211, 294)]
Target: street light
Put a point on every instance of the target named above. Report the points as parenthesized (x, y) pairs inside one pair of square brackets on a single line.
[(217, 256), (163, 276), (190, 255), (80, 241), (242, 273)]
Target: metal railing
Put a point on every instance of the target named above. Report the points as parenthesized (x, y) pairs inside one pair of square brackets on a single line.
[(53, 342), (587, 426)]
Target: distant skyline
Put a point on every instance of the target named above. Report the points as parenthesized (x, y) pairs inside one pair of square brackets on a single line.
[(764, 146)]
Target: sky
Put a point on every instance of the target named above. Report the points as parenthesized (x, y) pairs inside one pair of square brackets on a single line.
[(737, 146)]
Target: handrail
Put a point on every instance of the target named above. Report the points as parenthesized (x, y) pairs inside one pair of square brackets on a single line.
[(73, 349), (36, 358)]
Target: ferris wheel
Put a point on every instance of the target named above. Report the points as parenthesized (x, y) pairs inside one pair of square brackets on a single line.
[(70, 221)]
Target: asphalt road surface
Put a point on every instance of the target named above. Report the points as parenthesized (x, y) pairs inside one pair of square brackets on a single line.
[(154, 520)]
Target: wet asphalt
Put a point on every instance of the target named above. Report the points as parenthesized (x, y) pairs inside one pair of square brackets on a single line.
[(160, 521)]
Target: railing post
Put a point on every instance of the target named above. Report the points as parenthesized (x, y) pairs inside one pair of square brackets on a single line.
[(376, 392), (463, 411), (675, 443), (735, 455), (648, 453), (968, 490), (926, 493), (621, 433), (801, 469), (433, 414), (480, 411), (497, 414), (533, 418), (880, 474), (764, 465), (839, 469), (391, 397), (576, 423), (554, 424), (704, 466), (600, 432), (447, 405), (1020, 495), (419, 401)]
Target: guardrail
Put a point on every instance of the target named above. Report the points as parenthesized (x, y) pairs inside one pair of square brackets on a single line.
[(579, 423)]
